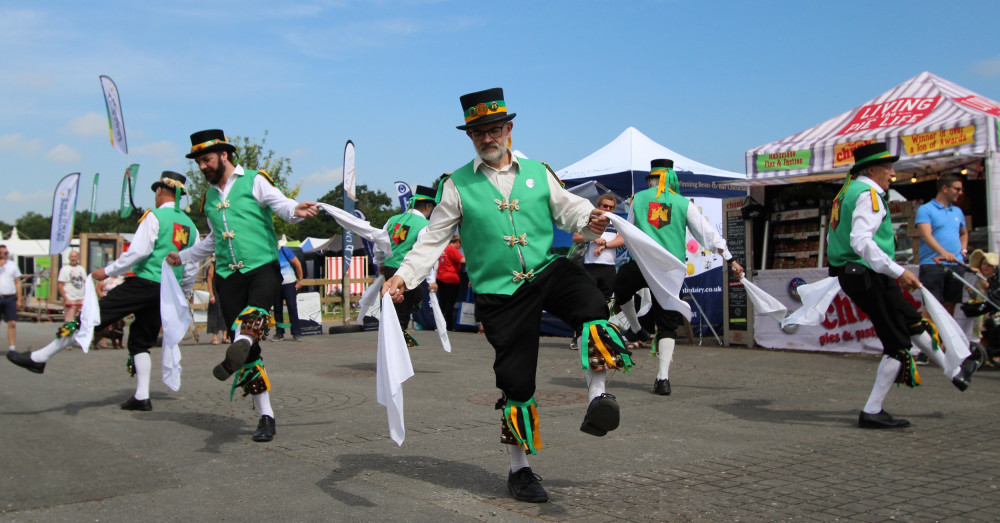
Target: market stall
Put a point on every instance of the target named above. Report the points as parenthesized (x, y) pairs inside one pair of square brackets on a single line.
[(934, 125)]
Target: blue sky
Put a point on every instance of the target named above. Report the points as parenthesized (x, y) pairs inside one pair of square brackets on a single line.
[(707, 79)]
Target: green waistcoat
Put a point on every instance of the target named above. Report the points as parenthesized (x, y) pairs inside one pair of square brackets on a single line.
[(403, 230), (838, 248), (244, 231), (506, 242), (177, 232), (664, 219)]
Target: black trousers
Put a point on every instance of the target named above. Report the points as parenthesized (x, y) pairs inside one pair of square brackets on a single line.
[(411, 300), (604, 275), (137, 296), (289, 295), (512, 323), (447, 295), (255, 288), (628, 282), (895, 319)]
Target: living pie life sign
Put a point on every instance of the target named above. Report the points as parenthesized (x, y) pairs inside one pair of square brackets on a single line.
[(925, 117)]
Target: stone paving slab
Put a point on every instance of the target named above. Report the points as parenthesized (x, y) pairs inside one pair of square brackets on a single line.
[(747, 435)]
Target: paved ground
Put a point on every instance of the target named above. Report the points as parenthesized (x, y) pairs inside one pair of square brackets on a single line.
[(748, 435)]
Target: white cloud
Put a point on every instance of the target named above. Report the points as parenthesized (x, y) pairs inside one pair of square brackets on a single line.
[(162, 148), (16, 142), (20, 197), (989, 67), (63, 153), (88, 125), (325, 176)]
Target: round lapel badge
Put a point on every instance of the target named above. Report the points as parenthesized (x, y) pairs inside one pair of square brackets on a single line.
[(530, 183)]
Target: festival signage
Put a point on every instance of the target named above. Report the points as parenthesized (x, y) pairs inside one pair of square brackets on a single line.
[(63, 213), (116, 120), (128, 187), (349, 198), (843, 153), (404, 193), (784, 161), (901, 111), (980, 104), (93, 199), (937, 140)]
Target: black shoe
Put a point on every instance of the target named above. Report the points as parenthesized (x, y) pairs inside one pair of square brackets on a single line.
[(642, 337), (23, 359), (963, 379), (134, 404), (662, 387), (882, 420), (236, 356), (279, 337), (524, 486), (602, 416), (265, 429)]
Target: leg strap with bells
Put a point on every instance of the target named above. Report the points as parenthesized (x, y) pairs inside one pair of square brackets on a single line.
[(908, 374), (252, 378), (67, 329), (520, 425), (254, 322), (605, 348)]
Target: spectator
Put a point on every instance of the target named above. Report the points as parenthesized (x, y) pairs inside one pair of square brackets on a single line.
[(215, 324), (449, 265), (10, 294), (71, 278), (944, 242), (291, 276)]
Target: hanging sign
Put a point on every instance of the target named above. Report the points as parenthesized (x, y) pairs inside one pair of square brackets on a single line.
[(937, 140)]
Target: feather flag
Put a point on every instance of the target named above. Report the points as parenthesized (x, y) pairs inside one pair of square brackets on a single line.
[(93, 199), (349, 198), (116, 121), (128, 186), (404, 193), (63, 213)]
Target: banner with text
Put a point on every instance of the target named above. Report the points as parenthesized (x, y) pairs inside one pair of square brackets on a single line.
[(63, 213), (116, 121), (785, 161), (901, 111), (350, 197), (937, 140)]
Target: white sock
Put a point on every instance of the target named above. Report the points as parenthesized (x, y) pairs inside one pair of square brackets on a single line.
[(262, 402), (628, 309), (11, 348), (888, 368), (596, 381), (665, 352), (923, 343), (518, 458), (143, 364), (43, 354)]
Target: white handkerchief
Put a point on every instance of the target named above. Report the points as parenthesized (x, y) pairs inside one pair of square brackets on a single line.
[(369, 300), (393, 367), (175, 317), (764, 303), (664, 273), (956, 344), (90, 315), (360, 227), (816, 298), (442, 327)]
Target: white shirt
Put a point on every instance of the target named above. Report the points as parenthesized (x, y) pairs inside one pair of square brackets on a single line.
[(864, 223), (8, 272), (264, 193), (142, 246), (700, 229), (570, 213), (607, 256), (73, 277)]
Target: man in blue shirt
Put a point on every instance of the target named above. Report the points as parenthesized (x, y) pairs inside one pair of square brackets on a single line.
[(943, 241)]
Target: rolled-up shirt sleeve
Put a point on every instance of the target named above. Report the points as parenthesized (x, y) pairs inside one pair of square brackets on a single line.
[(139, 249), (268, 195), (433, 239)]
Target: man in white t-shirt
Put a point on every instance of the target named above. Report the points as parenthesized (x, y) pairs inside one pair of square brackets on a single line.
[(10, 294), (71, 279), (599, 258)]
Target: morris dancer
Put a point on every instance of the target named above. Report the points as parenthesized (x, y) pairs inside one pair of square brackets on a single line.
[(506, 206), (165, 229), (663, 214), (861, 249), (239, 206)]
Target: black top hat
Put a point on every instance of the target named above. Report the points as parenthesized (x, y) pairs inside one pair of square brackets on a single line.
[(484, 107), (209, 141), (170, 181), (872, 154), (659, 163), (425, 194)]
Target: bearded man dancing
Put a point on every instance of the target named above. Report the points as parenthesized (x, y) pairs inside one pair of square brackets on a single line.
[(239, 206)]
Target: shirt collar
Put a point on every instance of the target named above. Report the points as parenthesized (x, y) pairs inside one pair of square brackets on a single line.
[(479, 162), (939, 206), (165, 205), (869, 181)]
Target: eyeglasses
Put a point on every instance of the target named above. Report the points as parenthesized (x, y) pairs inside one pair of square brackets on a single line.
[(957, 189), (494, 133)]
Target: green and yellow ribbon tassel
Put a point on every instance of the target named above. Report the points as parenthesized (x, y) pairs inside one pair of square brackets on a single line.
[(249, 372), (522, 419)]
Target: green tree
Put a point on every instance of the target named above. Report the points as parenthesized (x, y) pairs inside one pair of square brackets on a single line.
[(34, 226), (251, 155), (375, 205), (108, 221), (5, 229)]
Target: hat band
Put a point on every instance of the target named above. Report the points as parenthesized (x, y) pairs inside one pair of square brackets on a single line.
[(172, 183), (657, 171), (876, 156), (196, 148), (485, 109)]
